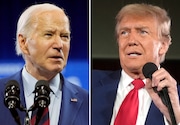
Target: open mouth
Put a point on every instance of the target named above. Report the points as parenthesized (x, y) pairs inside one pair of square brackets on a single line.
[(134, 54), (57, 57)]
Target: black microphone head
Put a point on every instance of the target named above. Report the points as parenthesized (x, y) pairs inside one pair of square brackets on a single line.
[(12, 92), (12, 83), (42, 91), (148, 69), (42, 83)]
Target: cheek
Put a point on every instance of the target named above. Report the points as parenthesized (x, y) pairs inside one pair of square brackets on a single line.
[(66, 49), (153, 51), (122, 45), (32, 47), (156, 48)]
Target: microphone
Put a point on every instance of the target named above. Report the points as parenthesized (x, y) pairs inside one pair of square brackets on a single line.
[(42, 91), (12, 99), (148, 69), (41, 99)]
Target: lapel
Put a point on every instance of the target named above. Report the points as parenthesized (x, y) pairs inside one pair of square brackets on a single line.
[(103, 97), (154, 116), (110, 85), (71, 103)]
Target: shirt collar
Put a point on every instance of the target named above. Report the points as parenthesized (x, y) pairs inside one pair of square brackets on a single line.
[(55, 85), (126, 80), (29, 83)]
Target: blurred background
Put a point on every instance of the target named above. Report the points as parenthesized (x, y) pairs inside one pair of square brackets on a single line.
[(104, 45), (77, 69)]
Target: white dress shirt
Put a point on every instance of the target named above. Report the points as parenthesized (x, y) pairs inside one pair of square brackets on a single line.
[(124, 88), (29, 83)]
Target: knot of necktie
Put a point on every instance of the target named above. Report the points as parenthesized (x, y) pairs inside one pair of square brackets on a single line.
[(128, 111), (138, 83)]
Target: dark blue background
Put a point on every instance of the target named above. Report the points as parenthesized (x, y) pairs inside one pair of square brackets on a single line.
[(77, 10)]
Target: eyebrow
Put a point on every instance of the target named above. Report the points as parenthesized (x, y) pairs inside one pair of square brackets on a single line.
[(136, 28)]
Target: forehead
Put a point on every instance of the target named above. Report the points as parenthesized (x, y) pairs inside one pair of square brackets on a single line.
[(53, 18), (137, 20)]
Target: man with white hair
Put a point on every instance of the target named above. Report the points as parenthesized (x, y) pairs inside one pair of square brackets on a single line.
[(43, 40)]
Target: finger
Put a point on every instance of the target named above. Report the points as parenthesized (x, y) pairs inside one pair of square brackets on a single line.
[(163, 83), (159, 76), (148, 86)]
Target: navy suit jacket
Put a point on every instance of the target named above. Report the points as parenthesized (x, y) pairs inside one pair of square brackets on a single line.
[(71, 113), (104, 87)]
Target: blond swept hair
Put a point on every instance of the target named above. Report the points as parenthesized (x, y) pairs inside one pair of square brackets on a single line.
[(142, 9)]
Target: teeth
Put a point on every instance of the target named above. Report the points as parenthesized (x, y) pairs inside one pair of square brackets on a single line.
[(133, 54)]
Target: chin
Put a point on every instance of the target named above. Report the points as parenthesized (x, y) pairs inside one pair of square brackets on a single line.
[(55, 69), (134, 66), (58, 70)]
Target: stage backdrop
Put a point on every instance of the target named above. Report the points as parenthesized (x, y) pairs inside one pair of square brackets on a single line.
[(77, 69)]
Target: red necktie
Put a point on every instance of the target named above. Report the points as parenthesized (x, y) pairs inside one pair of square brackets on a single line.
[(127, 114), (44, 120)]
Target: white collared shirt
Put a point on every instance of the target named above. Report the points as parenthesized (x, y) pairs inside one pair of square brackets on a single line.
[(124, 87), (29, 83)]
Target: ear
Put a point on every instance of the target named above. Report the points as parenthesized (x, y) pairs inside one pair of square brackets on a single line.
[(164, 47), (23, 44)]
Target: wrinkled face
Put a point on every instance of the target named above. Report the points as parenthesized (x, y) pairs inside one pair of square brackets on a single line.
[(47, 49), (139, 42)]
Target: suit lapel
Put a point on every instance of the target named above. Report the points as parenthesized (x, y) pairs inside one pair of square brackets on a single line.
[(111, 91), (71, 102), (103, 100), (154, 116)]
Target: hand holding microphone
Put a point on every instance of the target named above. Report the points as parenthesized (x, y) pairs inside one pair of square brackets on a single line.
[(148, 70), (161, 80)]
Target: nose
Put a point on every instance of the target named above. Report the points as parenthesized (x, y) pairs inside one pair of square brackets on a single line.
[(133, 39), (58, 43)]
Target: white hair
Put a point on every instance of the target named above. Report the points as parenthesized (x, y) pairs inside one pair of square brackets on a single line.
[(28, 18)]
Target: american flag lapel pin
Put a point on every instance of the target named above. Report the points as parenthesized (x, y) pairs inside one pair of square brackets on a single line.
[(74, 100)]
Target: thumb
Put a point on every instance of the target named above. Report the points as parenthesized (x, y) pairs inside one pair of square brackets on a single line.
[(149, 87), (148, 84)]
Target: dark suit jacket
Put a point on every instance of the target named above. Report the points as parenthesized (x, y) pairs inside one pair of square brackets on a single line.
[(104, 87), (71, 113)]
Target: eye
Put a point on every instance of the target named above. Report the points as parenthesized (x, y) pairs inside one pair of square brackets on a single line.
[(65, 37), (48, 34), (124, 33), (143, 32)]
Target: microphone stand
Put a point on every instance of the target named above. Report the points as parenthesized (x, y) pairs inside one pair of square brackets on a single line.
[(27, 120)]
